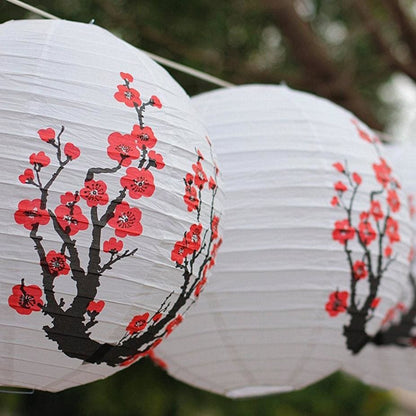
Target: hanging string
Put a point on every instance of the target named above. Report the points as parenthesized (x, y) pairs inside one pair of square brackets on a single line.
[(163, 61)]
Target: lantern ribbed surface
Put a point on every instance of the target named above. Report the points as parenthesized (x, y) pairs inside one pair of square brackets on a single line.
[(315, 235), (392, 363), (110, 207)]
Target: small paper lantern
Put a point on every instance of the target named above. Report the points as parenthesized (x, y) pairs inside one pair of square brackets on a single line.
[(315, 236), (391, 363), (110, 204)]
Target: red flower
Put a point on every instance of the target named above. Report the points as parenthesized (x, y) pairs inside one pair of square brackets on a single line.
[(71, 151), (47, 135), (155, 101), (412, 205), (128, 96), (173, 324), (122, 148), (112, 245), (95, 307), (356, 178), (214, 252), (126, 76), (200, 176), (340, 186), (29, 214), (143, 136), (193, 237), (27, 177), (214, 227), (155, 319), (71, 219), (200, 285), (200, 155), (211, 183), (57, 263), (375, 303), (139, 182), (69, 199), (156, 160), (191, 198), (365, 136), (334, 201), (339, 167), (388, 251), (360, 270), (39, 160), (343, 231), (392, 230), (126, 220), (180, 251), (26, 299), (382, 172), (337, 303), (133, 358), (366, 232), (94, 192), (138, 323), (376, 211), (393, 200)]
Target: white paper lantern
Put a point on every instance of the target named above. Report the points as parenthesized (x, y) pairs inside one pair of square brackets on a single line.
[(109, 212), (392, 363), (304, 276)]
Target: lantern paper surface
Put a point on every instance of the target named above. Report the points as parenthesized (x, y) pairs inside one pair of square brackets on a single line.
[(315, 236), (392, 363), (110, 204)]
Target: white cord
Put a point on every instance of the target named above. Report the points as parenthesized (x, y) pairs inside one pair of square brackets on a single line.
[(166, 62)]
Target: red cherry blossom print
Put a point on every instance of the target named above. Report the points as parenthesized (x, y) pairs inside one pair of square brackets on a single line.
[(382, 172), (211, 184), (156, 159), (71, 151), (356, 178), (343, 231), (360, 270), (392, 230), (375, 303), (128, 96), (412, 254), (95, 307), (69, 199), (340, 186), (339, 167), (200, 155), (200, 286), (364, 135), (200, 176), (388, 251), (132, 359), (71, 219), (334, 201), (26, 299), (193, 237), (94, 192), (366, 232), (126, 220), (27, 177), (376, 210), (213, 253), (139, 182), (39, 160), (157, 361), (112, 246), (47, 135), (57, 263), (126, 76), (412, 205), (173, 324), (122, 148), (337, 303), (393, 200), (157, 318), (191, 198), (180, 251), (29, 213), (214, 227), (155, 102), (143, 136), (138, 323)]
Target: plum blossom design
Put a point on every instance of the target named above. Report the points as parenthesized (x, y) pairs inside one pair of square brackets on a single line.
[(375, 231), (90, 209)]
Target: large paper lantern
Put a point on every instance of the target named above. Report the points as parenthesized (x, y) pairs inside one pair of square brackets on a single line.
[(315, 234), (392, 362), (109, 209)]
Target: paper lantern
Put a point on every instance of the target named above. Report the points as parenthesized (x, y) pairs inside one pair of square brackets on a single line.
[(315, 231), (391, 363), (110, 204)]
